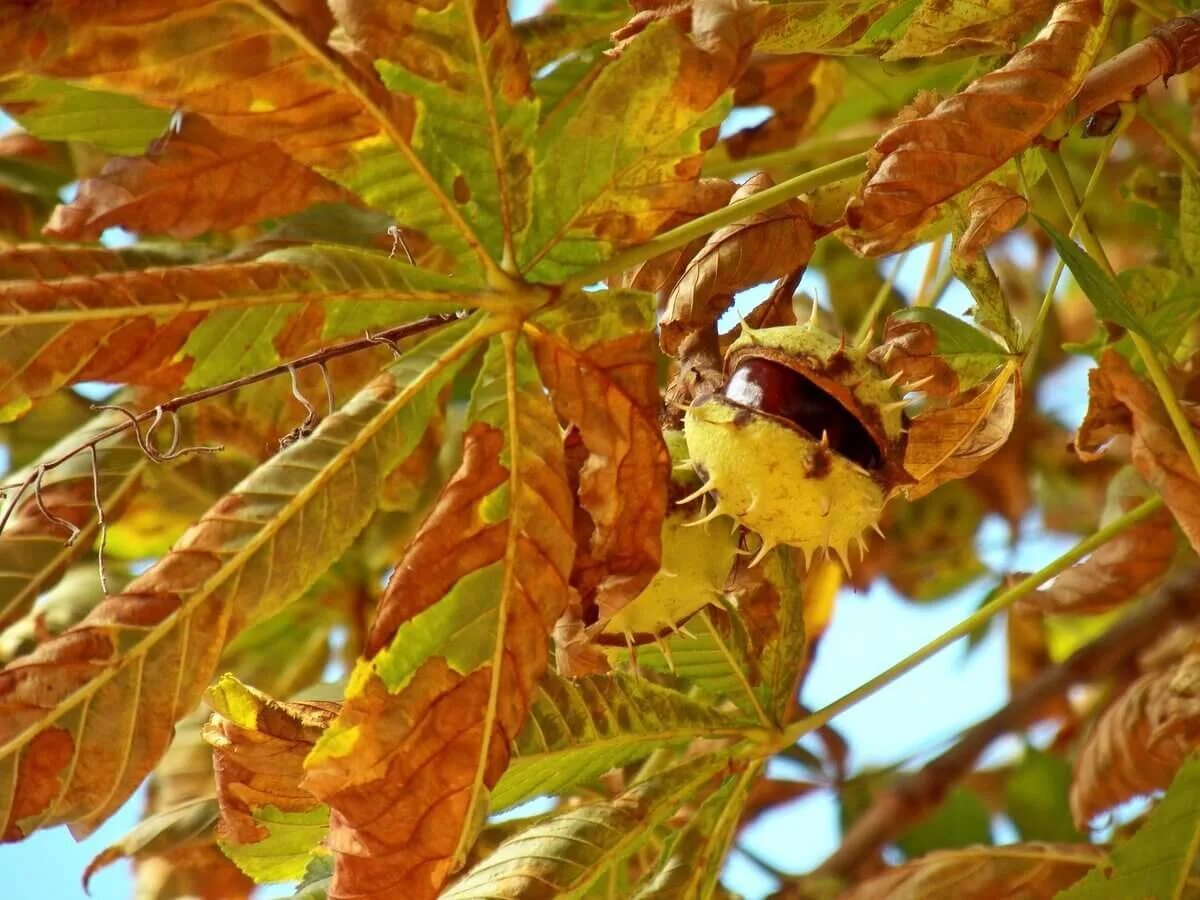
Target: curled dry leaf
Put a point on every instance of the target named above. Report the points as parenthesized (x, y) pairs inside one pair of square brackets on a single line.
[(606, 385), (1140, 741), (660, 273), (1169, 49), (1120, 403), (765, 246), (191, 182), (800, 88), (952, 441), (259, 745), (925, 159), (992, 209), (983, 873)]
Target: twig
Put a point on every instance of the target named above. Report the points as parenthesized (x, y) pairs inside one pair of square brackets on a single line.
[(100, 520), (316, 358), (915, 796)]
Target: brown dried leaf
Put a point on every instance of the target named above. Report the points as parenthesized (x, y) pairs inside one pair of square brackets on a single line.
[(1140, 741), (992, 209), (660, 273), (259, 745), (605, 382), (85, 716), (1119, 403), (195, 181), (765, 246), (923, 160), (724, 31), (800, 88), (983, 873), (910, 349), (953, 441), (424, 735), (1120, 570)]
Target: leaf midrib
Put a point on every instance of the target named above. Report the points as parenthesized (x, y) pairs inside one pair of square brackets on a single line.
[(467, 343)]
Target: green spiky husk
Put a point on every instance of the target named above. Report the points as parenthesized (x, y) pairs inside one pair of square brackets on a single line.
[(779, 482)]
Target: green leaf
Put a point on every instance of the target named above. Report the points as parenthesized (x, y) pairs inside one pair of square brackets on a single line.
[(1157, 861), (1105, 294), (62, 111), (701, 654), (961, 821), (292, 841), (478, 117), (990, 309), (691, 860), (317, 880), (620, 153), (967, 350), (1036, 798), (578, 730), (784, 655), (562, 856)]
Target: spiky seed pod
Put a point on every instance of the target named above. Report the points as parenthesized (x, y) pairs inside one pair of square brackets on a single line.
[(696, 559), (697, 556), (804, 445)]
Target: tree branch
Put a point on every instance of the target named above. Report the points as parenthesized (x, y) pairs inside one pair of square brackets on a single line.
[(917, 795), (388, 336)]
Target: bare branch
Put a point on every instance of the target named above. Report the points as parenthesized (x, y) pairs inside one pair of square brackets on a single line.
[(100, 519), (316, 358), (917, 795)]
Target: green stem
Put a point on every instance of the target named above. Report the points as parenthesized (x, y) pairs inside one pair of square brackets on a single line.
[(1128, 114), (688, 232), (932, 265), (1154, 367), (998, 603), (802, 152), (881, 296)]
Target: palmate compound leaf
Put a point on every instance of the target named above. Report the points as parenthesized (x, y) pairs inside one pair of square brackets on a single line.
[(983, 873), (579, 729), (86, 716), (564, 855), (33, 549), (257, 70), (596, 356), (270, 826), (192, 181), (454, 655), (925, 159), (197, 325), (1159, 859)]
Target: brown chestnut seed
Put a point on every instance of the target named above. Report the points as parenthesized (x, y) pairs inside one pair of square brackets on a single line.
[(776, 390)]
